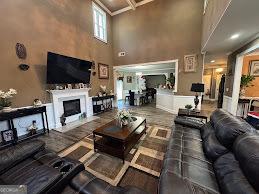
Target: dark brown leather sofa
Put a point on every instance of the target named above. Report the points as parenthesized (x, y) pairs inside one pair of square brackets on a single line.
[(44, 172), (220, 157)]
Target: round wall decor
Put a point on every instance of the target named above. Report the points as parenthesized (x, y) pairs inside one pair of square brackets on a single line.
[(20, 51)]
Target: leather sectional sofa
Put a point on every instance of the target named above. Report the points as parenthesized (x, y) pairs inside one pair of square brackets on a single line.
[(222, 156), (44, 172)]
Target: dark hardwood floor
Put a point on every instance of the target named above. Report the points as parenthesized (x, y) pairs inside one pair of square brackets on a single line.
[(57, 141)]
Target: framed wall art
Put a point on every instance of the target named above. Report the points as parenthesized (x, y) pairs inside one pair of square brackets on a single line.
[(190, 63), (7, 136), (129, 79), (103, 71), (254, 68)]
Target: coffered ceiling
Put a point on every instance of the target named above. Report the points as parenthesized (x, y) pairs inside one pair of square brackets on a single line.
[(115, 7)]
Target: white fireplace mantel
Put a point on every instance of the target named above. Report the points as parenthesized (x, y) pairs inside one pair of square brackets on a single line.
[(58, 96)]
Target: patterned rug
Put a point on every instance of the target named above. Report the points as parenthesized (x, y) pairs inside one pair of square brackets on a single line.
[(145, 159)]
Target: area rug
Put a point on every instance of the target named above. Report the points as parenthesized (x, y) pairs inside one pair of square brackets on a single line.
[(144, 160)]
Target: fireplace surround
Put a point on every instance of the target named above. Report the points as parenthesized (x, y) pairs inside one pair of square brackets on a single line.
[(71, 97)]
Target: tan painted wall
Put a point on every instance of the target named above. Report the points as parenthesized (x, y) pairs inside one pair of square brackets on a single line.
[(161, 30), (213, 13), (61, 26), (231, 66), (254, 90)]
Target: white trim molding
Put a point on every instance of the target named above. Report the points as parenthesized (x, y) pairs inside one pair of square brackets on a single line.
[(132, 6), (227, 103), (171, 103)]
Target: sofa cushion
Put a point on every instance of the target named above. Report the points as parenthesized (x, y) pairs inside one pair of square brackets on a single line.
[(85, 183), (11, 156), (38, 178), (228, 128), (230, 177), (246, 150), (212, 148), (206, 130), (172, 183)]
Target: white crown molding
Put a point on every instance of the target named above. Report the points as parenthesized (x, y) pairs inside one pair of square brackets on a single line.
[(121, 11), (132, 6), (103, 6), (143, 2)]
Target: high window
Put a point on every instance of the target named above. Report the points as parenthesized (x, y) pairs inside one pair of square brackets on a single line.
[(100, 29)]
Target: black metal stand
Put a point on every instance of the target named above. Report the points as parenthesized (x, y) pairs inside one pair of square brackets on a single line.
[(10, 116), (98, 108)]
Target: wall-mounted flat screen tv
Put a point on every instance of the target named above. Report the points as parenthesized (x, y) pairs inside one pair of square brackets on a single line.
[(67, 70)]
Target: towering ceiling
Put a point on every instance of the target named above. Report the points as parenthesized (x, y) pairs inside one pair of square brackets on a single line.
[(114, 7)]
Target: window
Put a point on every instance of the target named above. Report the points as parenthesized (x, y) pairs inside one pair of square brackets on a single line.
[(206, 2), (100, 30)]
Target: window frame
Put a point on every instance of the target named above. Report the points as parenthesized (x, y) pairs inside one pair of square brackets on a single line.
[(102, 13)]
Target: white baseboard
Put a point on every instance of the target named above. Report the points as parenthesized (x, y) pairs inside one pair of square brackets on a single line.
[(167, 109)]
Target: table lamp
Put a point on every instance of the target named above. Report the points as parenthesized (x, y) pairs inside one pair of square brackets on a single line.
[(197, 87)]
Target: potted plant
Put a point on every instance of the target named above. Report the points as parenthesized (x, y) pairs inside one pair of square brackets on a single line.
[(5, 99), (246, 81), (124, 117), (188, 107)]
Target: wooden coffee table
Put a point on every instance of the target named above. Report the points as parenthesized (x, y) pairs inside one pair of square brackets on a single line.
[(118, 141), (185, 112)]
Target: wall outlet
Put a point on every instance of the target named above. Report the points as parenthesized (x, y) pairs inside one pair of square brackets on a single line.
[(121, 54)]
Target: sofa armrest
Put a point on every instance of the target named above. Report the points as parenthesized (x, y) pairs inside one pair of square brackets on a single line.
[(11, 156), (189, 122)]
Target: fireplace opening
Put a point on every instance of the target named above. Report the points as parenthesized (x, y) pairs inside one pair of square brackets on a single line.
[(71, 107)]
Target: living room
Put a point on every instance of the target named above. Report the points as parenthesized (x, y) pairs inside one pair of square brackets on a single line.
[(121, 96)]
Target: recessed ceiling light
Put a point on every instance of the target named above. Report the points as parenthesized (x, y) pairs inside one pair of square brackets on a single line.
[(213, 61), (234, 36)]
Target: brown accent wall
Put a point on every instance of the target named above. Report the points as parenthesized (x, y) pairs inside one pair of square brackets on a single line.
[(161, 30), (254, 90), (61, 26)]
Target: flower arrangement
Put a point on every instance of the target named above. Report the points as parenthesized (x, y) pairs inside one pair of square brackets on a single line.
[(124, 116), (5, 97)]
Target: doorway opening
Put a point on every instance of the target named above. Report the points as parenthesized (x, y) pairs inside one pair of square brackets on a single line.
[(137, 84)]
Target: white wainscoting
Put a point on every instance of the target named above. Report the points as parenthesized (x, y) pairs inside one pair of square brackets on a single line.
[(171, 103), (21, 124), (227, 103)]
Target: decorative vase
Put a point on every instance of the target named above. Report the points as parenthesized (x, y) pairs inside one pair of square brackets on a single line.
[(242, 92), (7, 109)]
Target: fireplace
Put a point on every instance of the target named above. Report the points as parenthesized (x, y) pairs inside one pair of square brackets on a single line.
[(71, 107)]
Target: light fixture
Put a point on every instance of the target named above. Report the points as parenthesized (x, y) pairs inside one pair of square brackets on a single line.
[(212, 61), (139, 73), (219, 70), (234, 36)]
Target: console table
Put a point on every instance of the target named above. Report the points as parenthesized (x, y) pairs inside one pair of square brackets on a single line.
[(10, 116), (102, 107)]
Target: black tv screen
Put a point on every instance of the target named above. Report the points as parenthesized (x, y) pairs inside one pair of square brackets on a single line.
[(67, 70)]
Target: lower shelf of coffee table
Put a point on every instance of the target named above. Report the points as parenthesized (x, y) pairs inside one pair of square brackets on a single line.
[(118, 148)]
